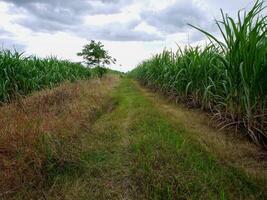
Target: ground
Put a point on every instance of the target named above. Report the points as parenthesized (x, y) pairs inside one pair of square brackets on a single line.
[(141, 146)]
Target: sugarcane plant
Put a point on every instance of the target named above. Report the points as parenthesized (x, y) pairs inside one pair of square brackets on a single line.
[(226, 77), (21, 75)]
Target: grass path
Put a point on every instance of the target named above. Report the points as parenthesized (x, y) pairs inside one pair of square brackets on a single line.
[(135, 151), (228, 146)]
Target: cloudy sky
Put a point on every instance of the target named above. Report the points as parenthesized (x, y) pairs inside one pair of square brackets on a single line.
[(131, 30)]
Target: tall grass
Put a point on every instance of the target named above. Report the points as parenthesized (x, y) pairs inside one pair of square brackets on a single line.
[(227, 77), (20, 75), (43, 137)]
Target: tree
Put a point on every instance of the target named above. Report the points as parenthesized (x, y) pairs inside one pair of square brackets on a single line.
[(95, 55)]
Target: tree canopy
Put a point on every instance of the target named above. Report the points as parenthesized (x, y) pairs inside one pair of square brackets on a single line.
[(94, 54)]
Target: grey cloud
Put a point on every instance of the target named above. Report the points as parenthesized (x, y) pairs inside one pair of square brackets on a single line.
[(10, 44), (231, 7), (4, 32), (112, 32), (43, 25), (67, 15), (175, 18), (119, 32), (195, 36), (125, 35), (51, 15)]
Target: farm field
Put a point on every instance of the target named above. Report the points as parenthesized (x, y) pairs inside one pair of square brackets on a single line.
[(138, 146), (186, 123), (21, 75), (226, 77)]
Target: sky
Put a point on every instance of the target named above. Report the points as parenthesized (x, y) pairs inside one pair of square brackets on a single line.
[(131, 30)]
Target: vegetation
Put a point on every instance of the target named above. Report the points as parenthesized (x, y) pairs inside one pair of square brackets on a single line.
[(109, 138), (20, 75), (226, 77), (41, 136), (120, 147), (95, 55)]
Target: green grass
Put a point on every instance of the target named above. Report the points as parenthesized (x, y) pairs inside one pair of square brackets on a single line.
[(20, 75), (226, 77), (134, 152)]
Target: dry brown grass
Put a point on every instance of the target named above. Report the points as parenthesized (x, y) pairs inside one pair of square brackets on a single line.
[(231, 148), (43, 130)]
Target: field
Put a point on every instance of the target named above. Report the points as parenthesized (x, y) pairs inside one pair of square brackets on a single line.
[(126, 143), (20, 75), (40, 135), (226, 78), (186, 124)]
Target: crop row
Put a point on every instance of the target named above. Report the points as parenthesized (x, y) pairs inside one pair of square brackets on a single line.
[(228, 77), (20, 75)]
